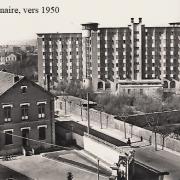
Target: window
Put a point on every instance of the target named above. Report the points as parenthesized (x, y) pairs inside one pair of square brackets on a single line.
[(24, 112), (23, 89), (41, 110), (7, 113), (42, 133), (129, 91), (8, 137)]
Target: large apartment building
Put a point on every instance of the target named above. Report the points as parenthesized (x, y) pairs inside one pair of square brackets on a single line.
[(119, 59)]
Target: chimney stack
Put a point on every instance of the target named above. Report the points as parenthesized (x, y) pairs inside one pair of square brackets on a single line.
[(132, 20), (16, 79), (140, 20)]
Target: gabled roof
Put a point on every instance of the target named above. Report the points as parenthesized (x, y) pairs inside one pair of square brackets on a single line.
[(7, 81)]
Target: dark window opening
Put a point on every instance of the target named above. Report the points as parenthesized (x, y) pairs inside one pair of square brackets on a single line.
[(24, 112), (100, 85), (41, 110), (24, 89), (107, 85), (7, 114), (172, 84), (165, 85), (8, 137), (42, 133)]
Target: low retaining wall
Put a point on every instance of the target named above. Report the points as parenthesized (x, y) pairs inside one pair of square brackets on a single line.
[(109, 121)]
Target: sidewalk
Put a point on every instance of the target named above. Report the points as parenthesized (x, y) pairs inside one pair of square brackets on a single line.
[(161, 160)]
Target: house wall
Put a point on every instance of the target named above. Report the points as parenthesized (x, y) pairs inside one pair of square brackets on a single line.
[(15, 97)]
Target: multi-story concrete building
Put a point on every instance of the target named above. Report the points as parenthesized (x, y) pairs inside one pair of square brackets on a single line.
[(111, 56), (59, 57), (26, 114)]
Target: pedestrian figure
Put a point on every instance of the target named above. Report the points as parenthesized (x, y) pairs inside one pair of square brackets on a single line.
[(69, 176), (141, 138), (128, 142), (150, 140)]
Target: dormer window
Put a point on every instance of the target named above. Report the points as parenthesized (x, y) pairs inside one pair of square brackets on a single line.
[(23, 89)]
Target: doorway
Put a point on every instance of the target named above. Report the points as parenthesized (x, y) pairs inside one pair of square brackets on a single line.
[(25, 135)]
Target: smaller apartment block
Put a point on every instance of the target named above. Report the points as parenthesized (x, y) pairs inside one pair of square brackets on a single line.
[(26, 114), (135, 54)]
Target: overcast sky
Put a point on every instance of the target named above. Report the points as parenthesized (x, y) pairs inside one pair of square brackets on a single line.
[(74, 12)]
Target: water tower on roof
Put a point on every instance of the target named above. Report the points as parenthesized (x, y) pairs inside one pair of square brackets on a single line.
[(87, 30)]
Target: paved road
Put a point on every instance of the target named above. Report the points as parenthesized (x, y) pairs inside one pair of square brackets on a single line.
[(161, 160), (41, 168), (5, 173)]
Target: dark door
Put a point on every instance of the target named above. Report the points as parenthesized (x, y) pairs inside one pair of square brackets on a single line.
[(25, 135)]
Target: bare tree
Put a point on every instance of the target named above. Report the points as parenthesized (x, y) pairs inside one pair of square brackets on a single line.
[(164, 132), (123, 118), (100, 108), (153, 123)]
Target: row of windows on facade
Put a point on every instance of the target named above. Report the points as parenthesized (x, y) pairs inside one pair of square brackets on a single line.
[(127, 74), (24, 112), (61, 46), (112, 33), (8, 138), (128, 32), (62, 38), (154, 50), (124, 40)]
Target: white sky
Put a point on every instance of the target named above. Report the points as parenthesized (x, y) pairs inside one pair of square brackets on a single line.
[(74, 12)]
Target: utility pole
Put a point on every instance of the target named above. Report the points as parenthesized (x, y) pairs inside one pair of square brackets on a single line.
[(98, 169), (101, 117), (88, 128)]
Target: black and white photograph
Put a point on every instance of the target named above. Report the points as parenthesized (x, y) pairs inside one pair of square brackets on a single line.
[(90, 90)]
